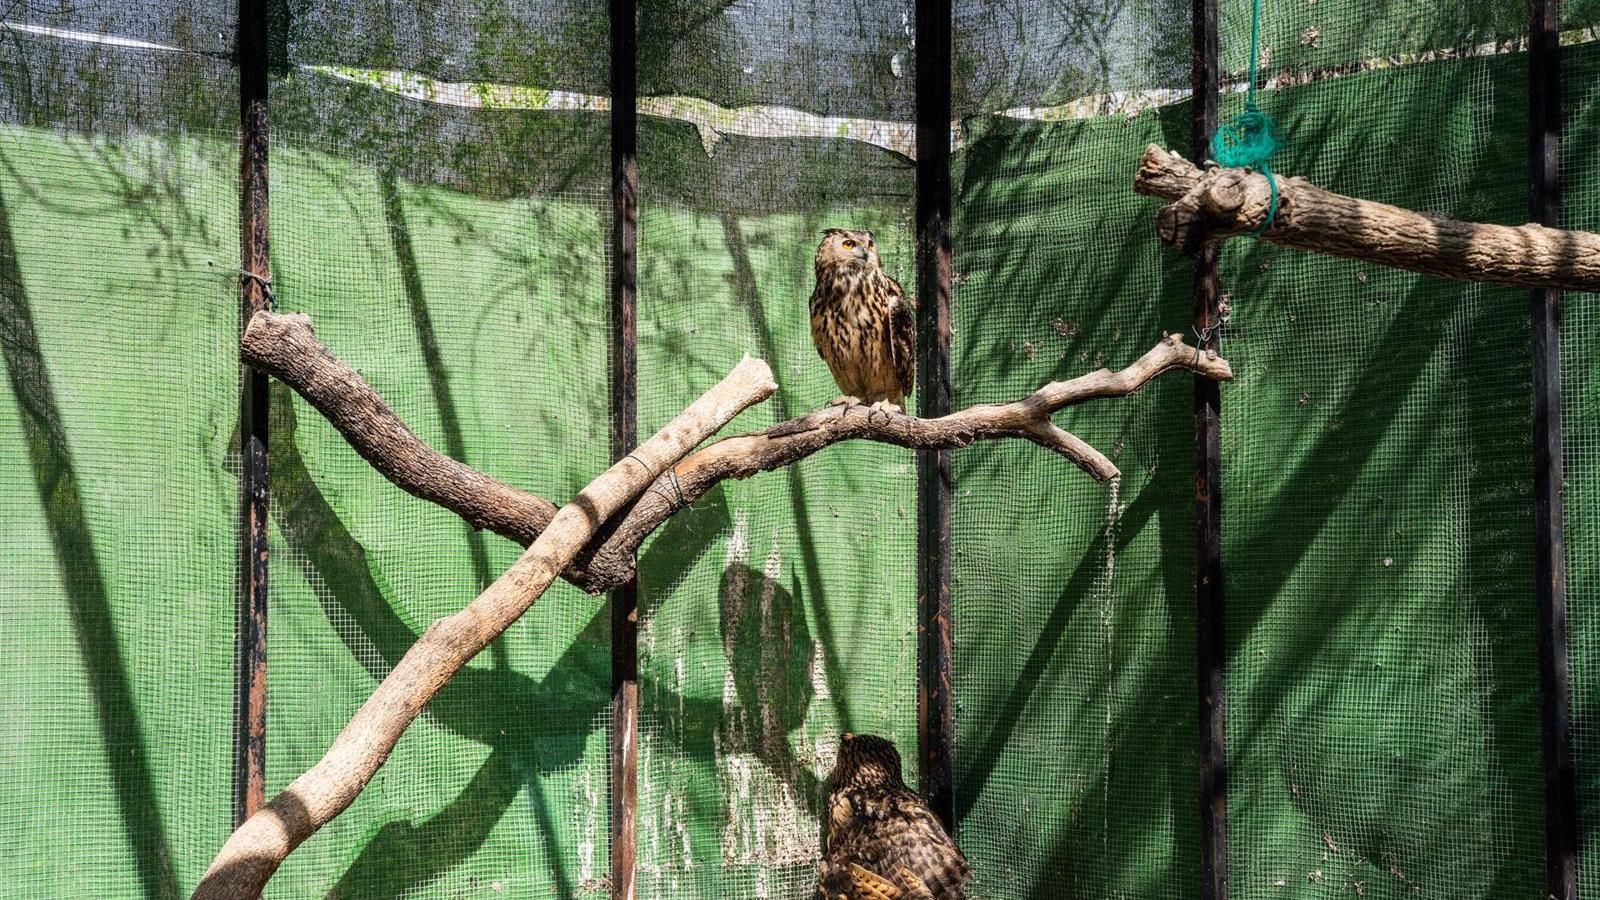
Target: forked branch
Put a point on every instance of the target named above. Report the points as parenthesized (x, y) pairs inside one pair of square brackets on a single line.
[(259, 846), (744, 455), (284, 346), (1214, 203)]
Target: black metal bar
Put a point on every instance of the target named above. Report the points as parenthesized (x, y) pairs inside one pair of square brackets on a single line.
[(1210, 647), (251, 728), (1549, 561), (935, 716), (624, 755)]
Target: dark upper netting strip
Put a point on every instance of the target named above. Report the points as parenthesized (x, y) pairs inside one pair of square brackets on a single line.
[(198, 25), (545, 44), (834, 57), (1010, 55), (495, 153), (98, 90)]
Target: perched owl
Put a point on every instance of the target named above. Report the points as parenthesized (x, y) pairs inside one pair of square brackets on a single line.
[(863, 324), (880, 840)]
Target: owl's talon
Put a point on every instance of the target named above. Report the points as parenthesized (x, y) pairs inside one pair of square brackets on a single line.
[(888, 409), (845, 400)]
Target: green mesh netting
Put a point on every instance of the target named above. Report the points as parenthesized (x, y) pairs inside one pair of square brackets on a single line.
[(118, 315), (440, 206), (1581, 435), (1383, 691), (457, 257), (775, 613)]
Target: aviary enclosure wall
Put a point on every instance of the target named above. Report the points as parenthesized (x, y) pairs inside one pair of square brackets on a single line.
[(441, 203)]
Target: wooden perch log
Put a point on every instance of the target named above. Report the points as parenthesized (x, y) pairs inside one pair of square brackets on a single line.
[(1216, 203), (260, 845), (285, 346)]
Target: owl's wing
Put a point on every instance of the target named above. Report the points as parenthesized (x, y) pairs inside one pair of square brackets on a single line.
[(903, 337), (925, 850), (872, 886)]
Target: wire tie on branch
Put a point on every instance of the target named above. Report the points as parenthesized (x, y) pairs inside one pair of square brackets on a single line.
[(245, 275), (642, 464)]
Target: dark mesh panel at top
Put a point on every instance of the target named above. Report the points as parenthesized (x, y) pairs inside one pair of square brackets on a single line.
[(1382, 686), (1048, 52), (1580, 171), (776, 612), (185, 27), (545, 44), (1325, 38), (456, 255), (833, 57), (118, 320), (1074, 768)]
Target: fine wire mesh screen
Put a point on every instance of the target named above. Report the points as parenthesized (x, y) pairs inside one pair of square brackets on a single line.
[(1383, 706), (1580, 169), (441, 208), (1075, 772), (118, 493), (447, 231), (776, 612)]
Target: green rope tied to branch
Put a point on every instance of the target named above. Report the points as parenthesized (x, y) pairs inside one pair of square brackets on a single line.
[(1249, 139)]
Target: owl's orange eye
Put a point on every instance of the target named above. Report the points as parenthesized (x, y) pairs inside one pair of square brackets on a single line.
[(849, 244)]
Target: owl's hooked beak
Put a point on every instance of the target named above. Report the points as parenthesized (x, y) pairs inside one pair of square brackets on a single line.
[(861, 253)]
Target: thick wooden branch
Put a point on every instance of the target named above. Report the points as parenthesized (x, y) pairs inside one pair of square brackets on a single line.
[(285, 346), (743, 455), (260, 845), (1216, 203)]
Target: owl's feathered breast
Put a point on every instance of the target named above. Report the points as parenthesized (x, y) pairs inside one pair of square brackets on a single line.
[(864, 328)]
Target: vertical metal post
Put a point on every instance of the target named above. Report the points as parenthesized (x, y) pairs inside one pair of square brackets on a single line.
[(250, 734), (935, 718), (1544, 165), (624, 755), (1210, 647)]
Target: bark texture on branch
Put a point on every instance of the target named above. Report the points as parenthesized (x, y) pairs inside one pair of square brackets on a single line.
[(285, 346), (1214, 203), (254, 851)]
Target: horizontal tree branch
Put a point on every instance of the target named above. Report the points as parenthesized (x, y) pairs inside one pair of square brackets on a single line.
[(255, 851), (744, 455), (1215, 203), (284, 346)]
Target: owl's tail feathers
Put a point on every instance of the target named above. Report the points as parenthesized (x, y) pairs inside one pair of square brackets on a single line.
[(870, 885)]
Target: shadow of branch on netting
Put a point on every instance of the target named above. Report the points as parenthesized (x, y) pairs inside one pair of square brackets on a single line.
[(532, 726), (61, 500)]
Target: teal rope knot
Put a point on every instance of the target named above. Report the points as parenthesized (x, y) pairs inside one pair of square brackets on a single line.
[(1248, 141), (1250, 138)]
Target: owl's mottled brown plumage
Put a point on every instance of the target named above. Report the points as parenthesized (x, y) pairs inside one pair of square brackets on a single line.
[(881, 840), (872, 886), (863, 324)]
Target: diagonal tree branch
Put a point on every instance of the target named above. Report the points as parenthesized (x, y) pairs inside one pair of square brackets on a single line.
[(259, 846), (1214, 203), (285, 346)]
